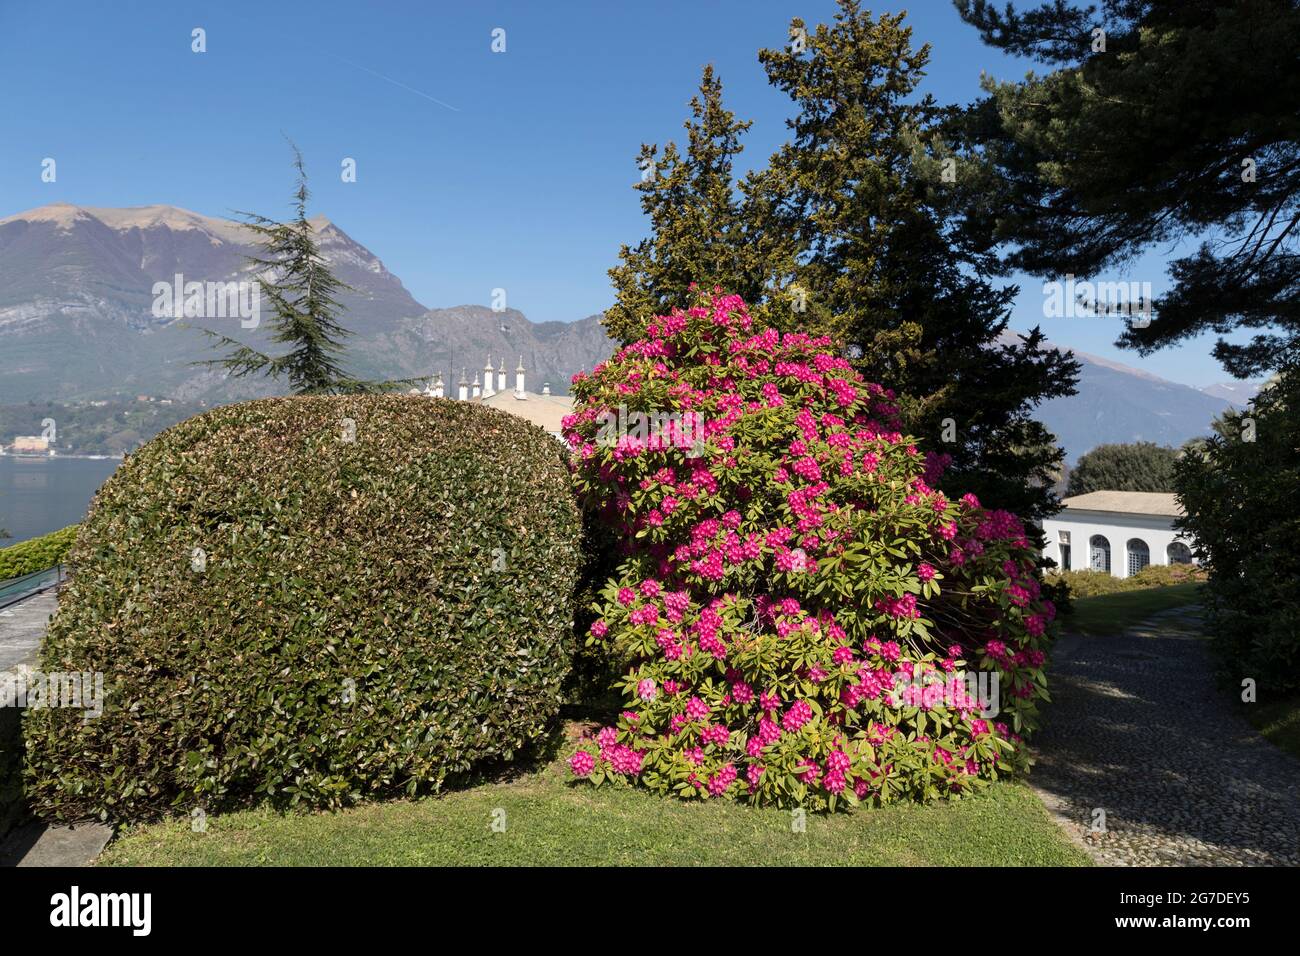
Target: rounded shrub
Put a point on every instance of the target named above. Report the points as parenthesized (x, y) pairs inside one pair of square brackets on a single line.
[(802, 618), (310, 601)]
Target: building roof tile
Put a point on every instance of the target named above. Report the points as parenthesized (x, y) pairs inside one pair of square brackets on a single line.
[(1126, 502)]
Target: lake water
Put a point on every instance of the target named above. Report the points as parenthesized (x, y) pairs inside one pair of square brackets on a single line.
[(40, 495)]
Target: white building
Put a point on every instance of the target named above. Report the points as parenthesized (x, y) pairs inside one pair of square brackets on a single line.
[(544, 410), (1119, 532)]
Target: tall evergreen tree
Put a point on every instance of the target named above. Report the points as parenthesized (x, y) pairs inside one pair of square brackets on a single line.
[(850, 231), (1161, 121), (1239, 488), (887, 266), (304, 299), (699, 229)]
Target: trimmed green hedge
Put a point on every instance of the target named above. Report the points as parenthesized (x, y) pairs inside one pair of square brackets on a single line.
[(36, 554), (1083, 584), (12, 806), (385, 602)]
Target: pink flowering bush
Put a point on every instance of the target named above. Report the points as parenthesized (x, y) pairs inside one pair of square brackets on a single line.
[(802, 617)]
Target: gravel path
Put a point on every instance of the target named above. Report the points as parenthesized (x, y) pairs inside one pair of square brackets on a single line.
[(1138, 728), (22, 626)]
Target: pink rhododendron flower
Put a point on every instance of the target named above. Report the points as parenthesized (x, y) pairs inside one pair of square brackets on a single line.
[(717, 734), (798, 715), (750, 573), (720, 781), (625, 760), (582, 763)]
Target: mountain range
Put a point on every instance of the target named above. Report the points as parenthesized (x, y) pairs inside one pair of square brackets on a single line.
[(1118, 404), (77, 320), (77, 323)]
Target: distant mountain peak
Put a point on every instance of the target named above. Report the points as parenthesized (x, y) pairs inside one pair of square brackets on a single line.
[(1237, 393), (77, 301), (65, 215), (1117, 403), (1012, 337), (62, 214), (170, 217), (145, 218), (1120, 367)]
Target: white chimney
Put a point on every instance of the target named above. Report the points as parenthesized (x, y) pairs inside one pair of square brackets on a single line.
[(438, 390), (477, 390), (487, 379), (546, 389), (519, 379), (501, 376), (464, 387)]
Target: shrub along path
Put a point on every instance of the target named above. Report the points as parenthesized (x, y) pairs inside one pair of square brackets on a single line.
[(34, 844), (1139, 729)]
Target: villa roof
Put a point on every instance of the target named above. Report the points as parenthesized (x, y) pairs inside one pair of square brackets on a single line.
[(545, 411), (1126, 502)]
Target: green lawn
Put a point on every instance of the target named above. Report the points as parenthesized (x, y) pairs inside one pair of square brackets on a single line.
[(1278, 721), (1112, 613), (550, 821)]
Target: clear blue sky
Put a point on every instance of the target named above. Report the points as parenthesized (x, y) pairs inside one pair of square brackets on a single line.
[(522, 180)]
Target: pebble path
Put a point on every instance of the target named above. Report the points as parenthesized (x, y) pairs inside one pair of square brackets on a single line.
[(1139, 729)]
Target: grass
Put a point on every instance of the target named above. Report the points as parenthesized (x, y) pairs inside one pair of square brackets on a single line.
[(1278, 721), (1111, 613), (551, 821)]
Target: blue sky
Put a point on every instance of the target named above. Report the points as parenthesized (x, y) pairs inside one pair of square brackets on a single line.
[(475, 170)]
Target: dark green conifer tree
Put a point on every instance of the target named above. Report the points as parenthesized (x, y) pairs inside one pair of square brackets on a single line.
[(303, 292), (1161, 121), (852, 230), (700, 229)]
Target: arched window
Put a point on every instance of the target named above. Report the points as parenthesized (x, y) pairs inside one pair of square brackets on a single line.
[(1099, 553), (1179, 553), (1139, 555)]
